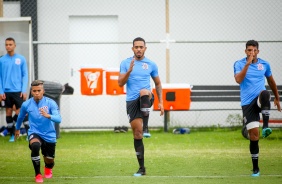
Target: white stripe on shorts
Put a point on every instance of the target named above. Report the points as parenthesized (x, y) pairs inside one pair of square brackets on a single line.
[(253, 124)]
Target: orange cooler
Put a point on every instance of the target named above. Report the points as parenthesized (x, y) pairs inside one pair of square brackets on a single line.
[(91, 81), (112, 87), (175, 97)]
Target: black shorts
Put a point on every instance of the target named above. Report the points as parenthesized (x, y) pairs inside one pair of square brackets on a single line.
[(47, 148), (13, 98), (251, 112), (133, 108)]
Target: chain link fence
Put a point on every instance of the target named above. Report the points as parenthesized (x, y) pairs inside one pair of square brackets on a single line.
[(200, 40)]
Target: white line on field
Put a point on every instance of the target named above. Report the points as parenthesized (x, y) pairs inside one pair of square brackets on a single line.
[(83, 177)]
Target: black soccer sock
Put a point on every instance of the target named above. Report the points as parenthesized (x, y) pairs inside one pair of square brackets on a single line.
[(254, 150), (10, 125), (264, 98), (139, 149), (145, 122), (35, 157), (50, 165), (265, 119)]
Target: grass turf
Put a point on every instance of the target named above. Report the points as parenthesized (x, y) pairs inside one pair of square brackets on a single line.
[(203, 156)]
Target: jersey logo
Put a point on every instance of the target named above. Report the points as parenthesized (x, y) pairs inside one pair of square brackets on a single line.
[(45, 108), (17, 61), (145, 66), (260, 66)]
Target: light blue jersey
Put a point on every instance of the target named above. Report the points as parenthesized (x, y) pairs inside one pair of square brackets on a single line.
[(39, 124), (13, 74), (254, 81), (140, 76)]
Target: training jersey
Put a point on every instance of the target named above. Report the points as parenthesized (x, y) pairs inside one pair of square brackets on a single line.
[(139, 77), (39, 124), (13, 74), (254, 81)]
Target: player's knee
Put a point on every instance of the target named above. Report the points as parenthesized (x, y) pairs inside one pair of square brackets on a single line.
[(145, 105), (35, 147), (264, 99)]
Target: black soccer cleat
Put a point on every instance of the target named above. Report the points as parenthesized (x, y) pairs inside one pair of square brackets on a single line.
[(141, 171)]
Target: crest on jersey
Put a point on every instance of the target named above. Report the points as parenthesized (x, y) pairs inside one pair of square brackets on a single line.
[(145, 66), (260, 66), (45, 108), (17, 61)]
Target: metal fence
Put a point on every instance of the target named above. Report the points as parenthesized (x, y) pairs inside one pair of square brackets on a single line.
[(194, 42)]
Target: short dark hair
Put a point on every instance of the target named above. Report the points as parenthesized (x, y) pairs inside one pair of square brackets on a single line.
[(139, 39), (10, 39), (37, 83), (252, 43)]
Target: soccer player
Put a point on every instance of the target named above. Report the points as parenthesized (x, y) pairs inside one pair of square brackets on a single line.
[(13, 83), (136, 73), (250, 72), (43, 112)]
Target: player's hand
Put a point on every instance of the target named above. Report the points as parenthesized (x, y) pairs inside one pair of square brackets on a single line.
[(17, 134), (44, 113), (23, 96), (131, 64), (3, 96), (161, 107), (277, 103), (250, 57)]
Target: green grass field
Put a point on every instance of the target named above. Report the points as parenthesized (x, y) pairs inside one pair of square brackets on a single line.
[(203, 156)]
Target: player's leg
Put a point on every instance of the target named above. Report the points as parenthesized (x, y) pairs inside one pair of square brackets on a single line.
[(251, 119), (48, 151), (264, 103), (135, 119), (253, 129), (145, 104), (9, 119), (35, 145), (136, 126)]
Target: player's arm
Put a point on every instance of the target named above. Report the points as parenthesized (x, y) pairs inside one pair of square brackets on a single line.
[(20, 119), (239, 77), (123, 77), (54, 113), (272, 84), (158, 87)]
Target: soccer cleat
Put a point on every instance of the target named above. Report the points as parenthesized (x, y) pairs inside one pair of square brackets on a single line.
[(12, 138), (266, 132), (146, 133), (123, 129), (38, 178), (256, 173), (47, 172), (140, 172), (117, 129)]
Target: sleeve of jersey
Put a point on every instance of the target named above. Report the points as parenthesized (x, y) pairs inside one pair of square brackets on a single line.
[(122, 68), (155, 71), (21, 116), (25, 77), (268, 72), (55, 114), (236, 68)]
